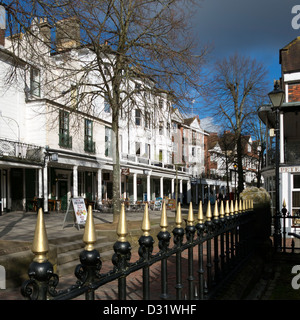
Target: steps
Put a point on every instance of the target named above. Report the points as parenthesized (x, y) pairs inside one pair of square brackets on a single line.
[(69, 249)]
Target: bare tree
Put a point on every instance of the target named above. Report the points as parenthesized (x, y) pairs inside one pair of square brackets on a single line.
[(139, 47), (237, 85)]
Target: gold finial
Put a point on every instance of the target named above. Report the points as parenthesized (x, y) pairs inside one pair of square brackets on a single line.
[(244, 205), (236, 207), (40, 245), (178, 219), (240, 206), (216, 211), (146, 226), (200, 213), (89, 236), (233, 208), (222, 210), (208, 212), (164, 219), (284, 203), (122, 225), (227, 210), (190, 219)]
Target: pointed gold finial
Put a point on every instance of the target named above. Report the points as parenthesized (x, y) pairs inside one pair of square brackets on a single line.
[(164, 219), (190, 219), (208, 212), (243, 205), (222, 213), (227, 210), (200, 213), (40, 246), (122, 225), (89, 236), (236, 207), (216, 211), (240, 206), (178, 219), (146, 226), (284, 203)]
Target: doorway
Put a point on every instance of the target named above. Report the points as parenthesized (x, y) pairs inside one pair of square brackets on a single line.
[(63, 193)]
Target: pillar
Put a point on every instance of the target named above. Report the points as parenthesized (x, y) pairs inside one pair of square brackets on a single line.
[(75, 181), (99, 187), (281, 140), (134, 187), (180, 190), (45, 186), (172, 188), (148, 187), (161, 187)]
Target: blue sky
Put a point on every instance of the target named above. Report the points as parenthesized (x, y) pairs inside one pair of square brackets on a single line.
[(256, 28)]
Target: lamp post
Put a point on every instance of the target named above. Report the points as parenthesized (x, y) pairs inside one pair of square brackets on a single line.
[(276, 97)]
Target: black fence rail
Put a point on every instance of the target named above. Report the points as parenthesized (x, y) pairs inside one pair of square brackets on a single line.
[(215, 245), (287, 230)]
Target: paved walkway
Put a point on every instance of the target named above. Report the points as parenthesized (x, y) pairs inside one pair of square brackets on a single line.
[(20, 227)]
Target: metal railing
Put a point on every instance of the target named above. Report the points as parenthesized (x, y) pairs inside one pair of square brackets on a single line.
[(221, 241), (20, 150)]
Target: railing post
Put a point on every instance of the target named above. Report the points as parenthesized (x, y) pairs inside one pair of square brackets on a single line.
[(200, 230), (122, 253), (216, 244), (284, 211), (209, 225), (178, 233), (190, 232), (91, 264), (145, 250), (40, 270), (163, 244)]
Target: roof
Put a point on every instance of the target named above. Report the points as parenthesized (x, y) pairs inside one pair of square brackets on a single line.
[(289, 56)]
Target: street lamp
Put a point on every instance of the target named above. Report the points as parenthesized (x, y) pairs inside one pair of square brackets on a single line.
[(277, 97)]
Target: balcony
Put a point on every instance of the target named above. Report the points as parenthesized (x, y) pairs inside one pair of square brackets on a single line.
[(65, 141), (21, 151)]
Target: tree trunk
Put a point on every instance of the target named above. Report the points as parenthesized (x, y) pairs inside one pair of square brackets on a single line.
[(240, 163), (116, 166)]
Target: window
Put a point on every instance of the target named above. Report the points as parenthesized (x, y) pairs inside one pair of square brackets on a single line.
[(160, 156), (138, 119), (296, 200), (89, 144), (161, 128), (147, 120), (35, 82), (108, 146), (137, 149), (147, 150), (106, 104), (64, 138)]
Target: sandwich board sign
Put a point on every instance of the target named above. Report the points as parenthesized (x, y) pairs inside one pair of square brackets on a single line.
[(79, 211)]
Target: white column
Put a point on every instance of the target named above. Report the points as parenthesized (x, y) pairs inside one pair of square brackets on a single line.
[(161, 187), (281, 140), (148, 187), (40, 187), (172, 189), (99, 179), (75, 181), (180, 190), (45, 195), (188, 187), (134, 187)]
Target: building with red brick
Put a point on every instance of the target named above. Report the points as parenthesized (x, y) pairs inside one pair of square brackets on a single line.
[(289, 137)]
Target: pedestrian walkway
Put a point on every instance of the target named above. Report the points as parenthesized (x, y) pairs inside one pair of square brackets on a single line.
[(17, 232)]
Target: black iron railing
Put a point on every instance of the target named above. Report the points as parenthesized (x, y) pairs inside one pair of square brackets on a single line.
[(216, 245)]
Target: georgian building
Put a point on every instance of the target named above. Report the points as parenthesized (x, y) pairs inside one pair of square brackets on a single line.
[(52, 147)]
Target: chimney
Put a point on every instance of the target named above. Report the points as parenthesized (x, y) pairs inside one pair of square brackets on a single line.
[(67, 34), (45, 30), (2, 25)]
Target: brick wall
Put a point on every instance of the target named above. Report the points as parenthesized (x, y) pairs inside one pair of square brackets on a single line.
[(294, 92)]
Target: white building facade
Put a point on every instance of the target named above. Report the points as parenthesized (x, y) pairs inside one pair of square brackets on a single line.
[(53, 148)]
